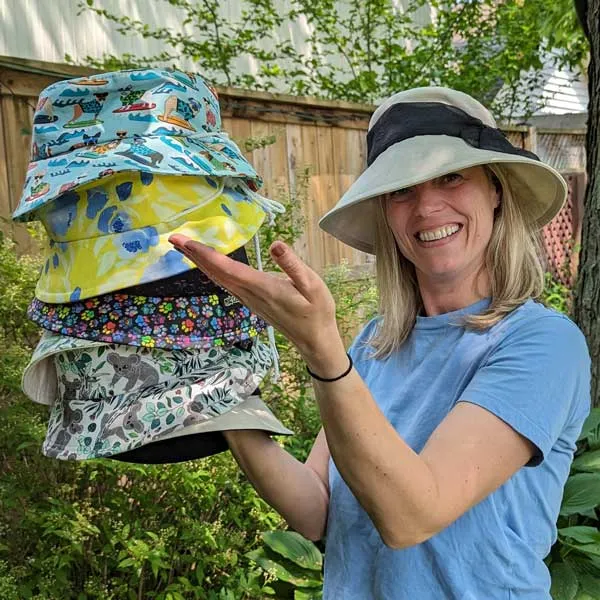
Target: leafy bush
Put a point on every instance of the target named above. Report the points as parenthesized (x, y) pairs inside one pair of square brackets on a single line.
[(18, 277), (575, 558)]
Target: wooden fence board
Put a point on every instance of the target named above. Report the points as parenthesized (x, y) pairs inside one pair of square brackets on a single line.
[(5, 209), (17, 117), (298, 188)]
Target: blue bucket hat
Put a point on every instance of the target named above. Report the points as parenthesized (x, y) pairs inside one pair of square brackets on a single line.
[(155, 120)]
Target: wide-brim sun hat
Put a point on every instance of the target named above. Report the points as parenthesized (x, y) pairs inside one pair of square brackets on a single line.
[(156, 120), (113, 233), (423, 133)]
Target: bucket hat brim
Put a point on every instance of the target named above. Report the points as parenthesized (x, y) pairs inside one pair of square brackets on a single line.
[(539, 188), (220, 215), (162, 121), (160, 155)]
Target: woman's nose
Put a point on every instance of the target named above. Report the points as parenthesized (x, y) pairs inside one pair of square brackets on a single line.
[(428, 200)]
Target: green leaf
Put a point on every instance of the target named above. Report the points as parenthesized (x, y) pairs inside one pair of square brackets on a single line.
[(564, 581), (591, 425), (295, 547), (582, 595), (289, 573), (308, 594), (581, 533), (583, 565), (587, 462), (590, 585), (582, 492)]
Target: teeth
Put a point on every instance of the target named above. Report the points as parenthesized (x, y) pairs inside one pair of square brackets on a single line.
[(437, 234)]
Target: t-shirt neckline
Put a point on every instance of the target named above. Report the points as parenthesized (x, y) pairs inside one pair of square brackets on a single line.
[(452, 318)]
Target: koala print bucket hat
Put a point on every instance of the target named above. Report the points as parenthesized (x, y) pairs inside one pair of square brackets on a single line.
[(109, 399), (156, 120)]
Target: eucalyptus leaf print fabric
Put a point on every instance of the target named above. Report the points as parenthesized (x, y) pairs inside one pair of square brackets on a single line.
[(114, 398)]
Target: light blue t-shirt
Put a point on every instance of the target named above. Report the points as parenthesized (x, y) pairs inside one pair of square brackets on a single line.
[(532, 370)]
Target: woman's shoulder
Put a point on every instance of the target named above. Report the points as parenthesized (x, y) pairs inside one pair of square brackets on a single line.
[(533, 321)]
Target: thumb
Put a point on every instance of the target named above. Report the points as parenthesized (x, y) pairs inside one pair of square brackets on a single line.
[(291, 264)]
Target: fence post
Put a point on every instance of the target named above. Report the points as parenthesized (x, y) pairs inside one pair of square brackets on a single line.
[(530, 141)]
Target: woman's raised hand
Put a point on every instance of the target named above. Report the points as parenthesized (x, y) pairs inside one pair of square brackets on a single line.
[(296, 302)]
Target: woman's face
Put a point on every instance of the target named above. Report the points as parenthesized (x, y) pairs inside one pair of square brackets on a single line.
[(443, 226)]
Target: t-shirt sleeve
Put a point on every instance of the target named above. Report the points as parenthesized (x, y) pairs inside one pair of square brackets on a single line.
[(536, 379)]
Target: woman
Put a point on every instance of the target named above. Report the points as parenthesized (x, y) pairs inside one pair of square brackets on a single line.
[(452, 421)]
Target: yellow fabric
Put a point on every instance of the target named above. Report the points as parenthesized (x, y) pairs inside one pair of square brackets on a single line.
[(113, 233)]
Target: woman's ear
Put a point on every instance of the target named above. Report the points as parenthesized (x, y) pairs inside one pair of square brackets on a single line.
[(498, 190)]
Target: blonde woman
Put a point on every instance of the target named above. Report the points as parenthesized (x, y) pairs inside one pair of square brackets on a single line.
[(449, 426)]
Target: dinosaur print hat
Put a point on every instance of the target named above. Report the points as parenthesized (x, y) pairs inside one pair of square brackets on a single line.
[(155, 120)]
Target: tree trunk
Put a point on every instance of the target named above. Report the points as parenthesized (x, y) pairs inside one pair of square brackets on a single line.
[(586, 309)]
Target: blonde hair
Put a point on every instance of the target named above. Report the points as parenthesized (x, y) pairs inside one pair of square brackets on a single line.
[(513, 262)]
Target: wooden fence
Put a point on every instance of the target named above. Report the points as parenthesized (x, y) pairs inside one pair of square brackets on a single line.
[(318, 149)]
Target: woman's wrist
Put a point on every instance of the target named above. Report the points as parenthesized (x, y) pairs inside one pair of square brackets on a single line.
[(327, 362), (332, 379)]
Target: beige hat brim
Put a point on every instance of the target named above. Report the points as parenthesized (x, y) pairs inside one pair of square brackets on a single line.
[(252, 413), (540, 189)]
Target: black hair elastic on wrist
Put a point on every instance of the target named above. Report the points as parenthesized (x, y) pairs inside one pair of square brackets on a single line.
[(334, 378)]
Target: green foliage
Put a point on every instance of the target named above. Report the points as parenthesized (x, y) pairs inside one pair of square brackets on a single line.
[(292, 564), (107, 530), (575, 558), (18, 277), (362, 50), (556, 295), (216, 43)]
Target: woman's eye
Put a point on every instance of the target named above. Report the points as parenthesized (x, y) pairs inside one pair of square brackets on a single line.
[(452, 178), (400, 194)]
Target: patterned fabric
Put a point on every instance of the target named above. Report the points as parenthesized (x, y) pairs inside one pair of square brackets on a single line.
[(113, 233), (114, 398), (184, 311), (155, 120), (171, 323)]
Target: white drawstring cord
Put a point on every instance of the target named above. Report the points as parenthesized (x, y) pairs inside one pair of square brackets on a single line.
[(270, 330), (271, 207)]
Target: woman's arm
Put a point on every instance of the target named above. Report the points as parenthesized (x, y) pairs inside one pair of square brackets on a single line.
[(411, 497), (408, 496), (299, 492)]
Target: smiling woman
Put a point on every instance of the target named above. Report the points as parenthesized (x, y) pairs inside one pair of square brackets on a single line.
[(450, 426)]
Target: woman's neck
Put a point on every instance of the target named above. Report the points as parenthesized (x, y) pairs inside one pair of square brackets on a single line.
[(439, 297)]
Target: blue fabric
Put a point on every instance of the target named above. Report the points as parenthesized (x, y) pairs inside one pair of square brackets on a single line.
[(159, 121), (532, 370)]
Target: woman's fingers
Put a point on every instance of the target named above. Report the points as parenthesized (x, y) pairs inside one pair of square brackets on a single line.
[(228, 273), (236, 276), (288, 261)]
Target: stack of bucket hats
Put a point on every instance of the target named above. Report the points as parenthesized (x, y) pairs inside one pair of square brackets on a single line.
[(142, 358)]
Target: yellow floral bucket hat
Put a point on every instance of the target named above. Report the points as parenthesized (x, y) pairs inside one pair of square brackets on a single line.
[(112, 233)]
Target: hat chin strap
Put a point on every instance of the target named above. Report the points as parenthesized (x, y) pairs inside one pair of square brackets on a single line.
[(270, 330)]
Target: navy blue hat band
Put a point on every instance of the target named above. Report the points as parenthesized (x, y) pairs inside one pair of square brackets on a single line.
[(405, 120)]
